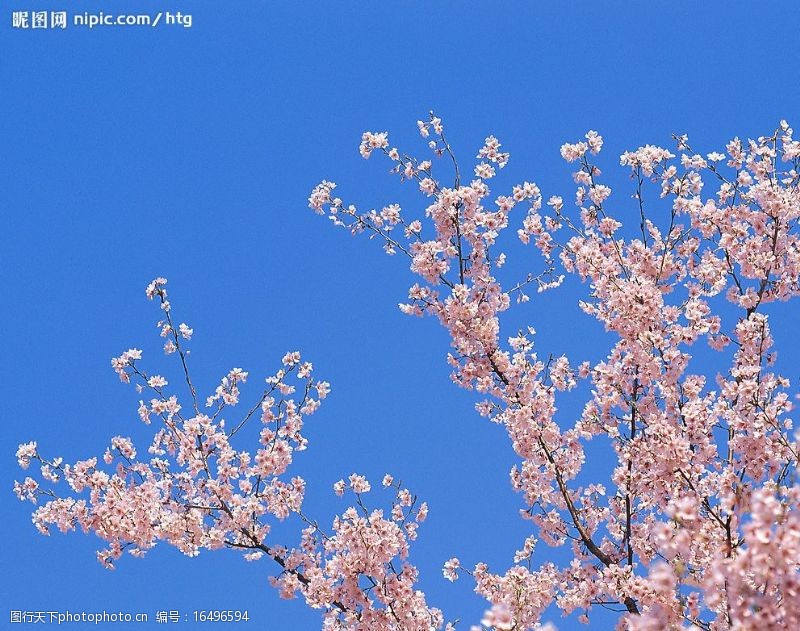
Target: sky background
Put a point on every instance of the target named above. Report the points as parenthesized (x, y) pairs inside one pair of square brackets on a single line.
[(189, 153)]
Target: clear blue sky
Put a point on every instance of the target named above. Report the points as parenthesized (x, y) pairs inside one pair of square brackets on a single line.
[(189, 153)]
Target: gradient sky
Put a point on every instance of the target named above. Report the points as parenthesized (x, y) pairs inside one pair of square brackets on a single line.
[(190, 153)]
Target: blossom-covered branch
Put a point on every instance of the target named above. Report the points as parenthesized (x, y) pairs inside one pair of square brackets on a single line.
[(198, 491), (697, 524)]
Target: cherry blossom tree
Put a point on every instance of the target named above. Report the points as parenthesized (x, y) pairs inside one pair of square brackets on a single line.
[(697, 523)]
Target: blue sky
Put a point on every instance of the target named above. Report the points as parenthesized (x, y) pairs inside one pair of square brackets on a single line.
[(190, 153)]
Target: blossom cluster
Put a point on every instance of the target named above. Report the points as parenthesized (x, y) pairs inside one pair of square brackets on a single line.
[(362, 566)]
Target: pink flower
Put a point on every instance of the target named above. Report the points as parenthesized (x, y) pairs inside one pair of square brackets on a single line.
[(359, 484), (450, 569), (25, 453), (338, 488)]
